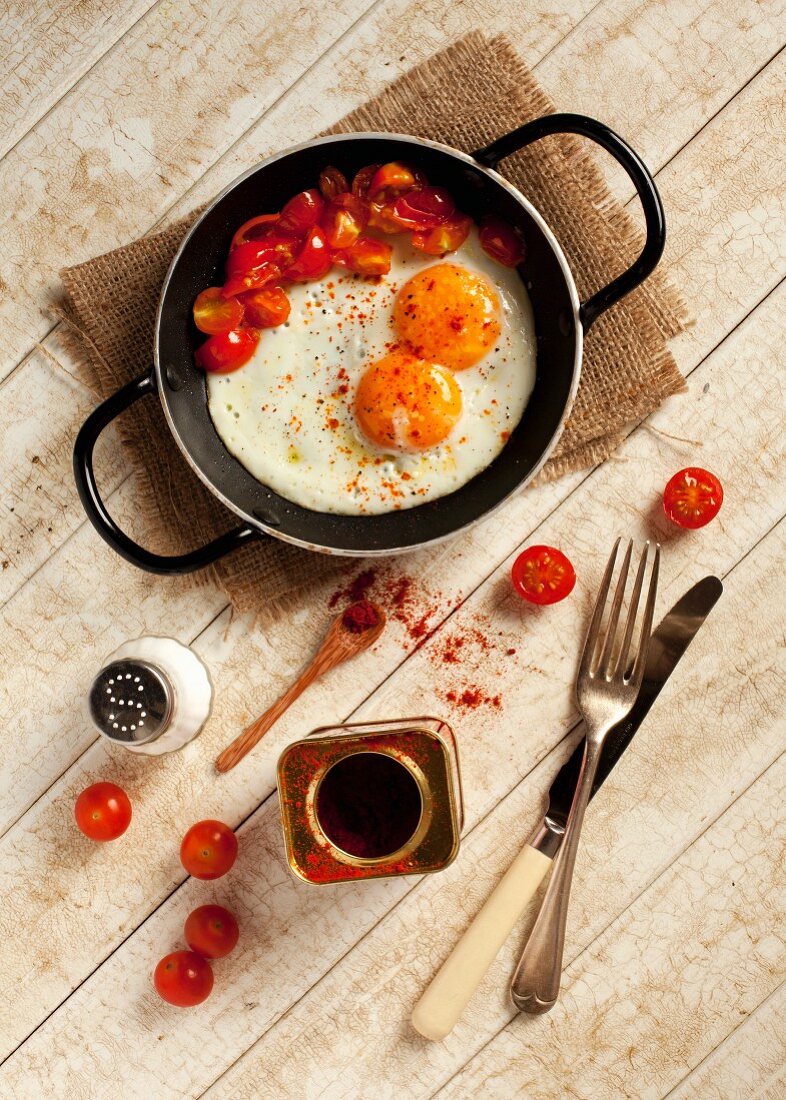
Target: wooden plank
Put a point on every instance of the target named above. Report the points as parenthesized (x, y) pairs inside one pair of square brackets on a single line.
[(46, 46), (289, 921)]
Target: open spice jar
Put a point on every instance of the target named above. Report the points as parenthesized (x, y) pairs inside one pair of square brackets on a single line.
[(371, 801)]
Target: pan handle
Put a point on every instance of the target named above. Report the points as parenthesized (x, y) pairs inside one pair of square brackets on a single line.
[(639, 174), (96, 509)]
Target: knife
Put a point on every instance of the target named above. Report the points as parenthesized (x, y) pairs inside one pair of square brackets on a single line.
[(440, 1007)]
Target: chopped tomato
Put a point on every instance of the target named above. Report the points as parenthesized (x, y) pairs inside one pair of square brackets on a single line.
[(209, 849), (211, 931), (543, 575), (254, 228), (692, 497), (302, 212), (267, 307), (314, 259), (445, 238), (344, 220), (367, 256), (227, 351), (103, 811), (501, 241), (183, 978), (252, 265), (381, 217), (332, 182), (362, 180), (214, 313), (391, 179), (424, 209)]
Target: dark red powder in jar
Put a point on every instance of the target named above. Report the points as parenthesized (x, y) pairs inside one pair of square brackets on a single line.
[(368, 805), (360, 616)]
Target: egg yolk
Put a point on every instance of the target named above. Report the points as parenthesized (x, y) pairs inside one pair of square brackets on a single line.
[(449, 315), (404, 403)]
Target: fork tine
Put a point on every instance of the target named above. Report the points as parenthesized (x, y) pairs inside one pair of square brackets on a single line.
[(586, 661), (607, 664), (633, 610), (646, 625)]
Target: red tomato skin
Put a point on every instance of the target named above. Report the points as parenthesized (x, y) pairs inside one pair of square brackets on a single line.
[(103, 811), (227, 351), (425, 209), (215, 313), (692, 498), (367, 256), (332, 182), (444, 238), (211, 931), (344, 220), (254, 228), (183, 979), (314, 260), (543, 575), (362, 180), (391, 179), (500, 240), (266, 308), (302, 212), (209, 849)]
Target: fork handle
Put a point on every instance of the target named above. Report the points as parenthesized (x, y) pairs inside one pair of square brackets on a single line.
[(535, 985)]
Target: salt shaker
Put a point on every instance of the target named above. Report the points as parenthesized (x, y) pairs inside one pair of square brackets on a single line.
[(153, 695)]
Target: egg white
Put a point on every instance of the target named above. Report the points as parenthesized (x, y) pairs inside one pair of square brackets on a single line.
[(288, 416)]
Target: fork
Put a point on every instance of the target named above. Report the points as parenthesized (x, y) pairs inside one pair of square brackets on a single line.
[(608, 681)]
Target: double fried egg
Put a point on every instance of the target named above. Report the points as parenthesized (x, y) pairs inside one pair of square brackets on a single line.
[(382, 394)]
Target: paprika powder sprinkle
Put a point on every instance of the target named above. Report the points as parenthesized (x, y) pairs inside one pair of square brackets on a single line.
[(360, 616)]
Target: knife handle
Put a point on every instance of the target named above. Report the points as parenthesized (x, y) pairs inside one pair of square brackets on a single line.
[(438, 1010)]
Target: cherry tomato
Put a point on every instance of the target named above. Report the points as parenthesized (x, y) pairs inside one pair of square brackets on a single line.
[(227, 351), (344, 220), (332, 182), (542, 575), (367, 256), (314, 259), (362, 180), (209, 849), (380, 216), (266, 308), (501, 241), (103, 811), (692, 497), (445, 238), (211, 931), (183, 979), (254, 228), (391, 179), (214, 313), (302, 212), (250, 266), (425, 209)]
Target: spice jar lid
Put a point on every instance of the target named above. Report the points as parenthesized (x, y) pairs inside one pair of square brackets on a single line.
[(131, 701)]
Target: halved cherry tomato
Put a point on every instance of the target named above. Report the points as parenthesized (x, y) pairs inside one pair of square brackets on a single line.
[(103, 811), (302, 212), (425, 209), (692, 497), (266, 308), (214, 313), (501, 241), (211, 931), (362, 180), (227, 351), (344, 220), (543, 575), (253, 229), (445, 238), (183, 978), (367, 256), (314, 259), (391, 179), (254, 280), (332, 182), (252, 265)]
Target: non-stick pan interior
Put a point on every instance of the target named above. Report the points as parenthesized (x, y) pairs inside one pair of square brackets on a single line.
[(201, 264)]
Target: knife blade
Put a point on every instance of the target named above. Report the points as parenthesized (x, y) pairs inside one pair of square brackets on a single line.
[(438, 1010)]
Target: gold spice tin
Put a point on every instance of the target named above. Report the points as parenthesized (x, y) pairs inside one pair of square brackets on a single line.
[(349, 792)]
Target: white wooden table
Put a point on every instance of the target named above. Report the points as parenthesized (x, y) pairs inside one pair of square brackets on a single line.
[(117, 117)]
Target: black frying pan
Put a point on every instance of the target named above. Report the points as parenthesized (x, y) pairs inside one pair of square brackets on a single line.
[(560, 321)]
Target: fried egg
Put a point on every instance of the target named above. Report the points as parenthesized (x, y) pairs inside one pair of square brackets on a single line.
[(382, 394)]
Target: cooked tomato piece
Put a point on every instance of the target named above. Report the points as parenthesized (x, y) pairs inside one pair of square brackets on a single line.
[(254, 228), (214, 313), (183, 979), (254, 280), (445, 238), (302, 212), (362, 180), (227, 351), (103, 811), (424, 209), (344, 220), (381, 217), (391, 179), (542, 575), (501, 241), (211, 931), (367, 256), (314, 259), (267, 307), (252, 265), (692, 497), (332, 182)]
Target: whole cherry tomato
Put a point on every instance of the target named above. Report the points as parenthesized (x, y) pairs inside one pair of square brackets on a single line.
[(444, 238), (211, 931), (266, 308), (362, 180), (391, 179), (227, 351), (543, 575), (254, 228), (183, 979), (332, 182), (209, 849), (367, 256), (314, 259), (344, 220), (214, 313), (424, 209), (692, 497), (501, 241), (103, 811), (302, 212)]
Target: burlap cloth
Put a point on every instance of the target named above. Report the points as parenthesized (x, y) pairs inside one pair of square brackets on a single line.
[(465, 96)]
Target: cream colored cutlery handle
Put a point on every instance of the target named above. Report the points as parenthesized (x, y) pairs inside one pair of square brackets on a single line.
[(438, 1010)]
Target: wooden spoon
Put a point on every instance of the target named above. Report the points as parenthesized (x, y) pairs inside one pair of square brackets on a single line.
[(339, 645)]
